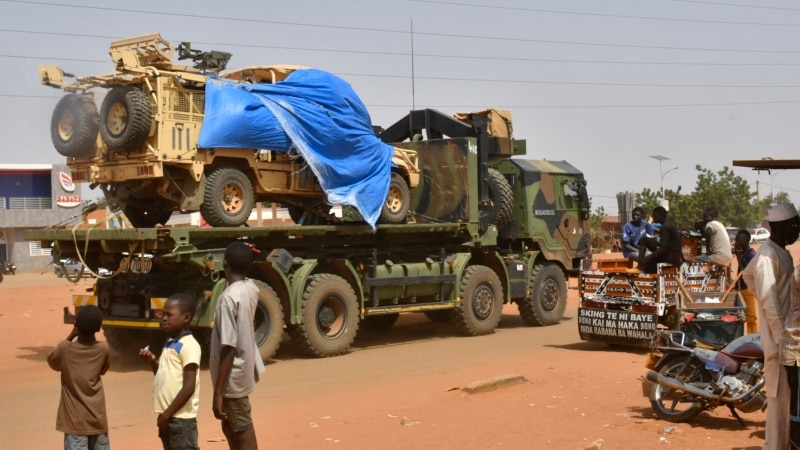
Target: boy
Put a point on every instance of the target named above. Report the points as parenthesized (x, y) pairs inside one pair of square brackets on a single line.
[(82, 408), (176, 388), (234, 362), (745, 254)]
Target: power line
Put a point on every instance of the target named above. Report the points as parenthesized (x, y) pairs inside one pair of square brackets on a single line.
[(430, 55), (418, 33), (405, 105), (579, 83), (737, 5), (406, 54), (613, 16)]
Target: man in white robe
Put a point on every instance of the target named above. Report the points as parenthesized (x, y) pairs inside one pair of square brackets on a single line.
[(769, 276)]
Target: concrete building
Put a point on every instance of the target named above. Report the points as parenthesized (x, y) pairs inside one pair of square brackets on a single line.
[(34, 196)]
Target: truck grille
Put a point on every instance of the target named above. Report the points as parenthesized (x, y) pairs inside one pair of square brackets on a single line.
[(183, 105)]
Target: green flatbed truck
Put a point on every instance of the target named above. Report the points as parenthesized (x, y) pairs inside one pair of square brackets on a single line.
[(484, 229)]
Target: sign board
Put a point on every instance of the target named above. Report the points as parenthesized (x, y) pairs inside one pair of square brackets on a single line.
[(623, 327)]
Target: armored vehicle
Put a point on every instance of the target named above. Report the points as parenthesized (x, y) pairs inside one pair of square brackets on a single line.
[(142, 146)]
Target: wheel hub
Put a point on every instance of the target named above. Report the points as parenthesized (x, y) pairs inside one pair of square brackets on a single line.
[(549, 297), (117, 119), (394, 200), (331, 317), (66, 126), (232, 198), (483, 302)]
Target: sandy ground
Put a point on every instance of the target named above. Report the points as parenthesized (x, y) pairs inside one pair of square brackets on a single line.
[(395, 390)]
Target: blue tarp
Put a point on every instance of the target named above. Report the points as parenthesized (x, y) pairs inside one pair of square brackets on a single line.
[(314, 113)]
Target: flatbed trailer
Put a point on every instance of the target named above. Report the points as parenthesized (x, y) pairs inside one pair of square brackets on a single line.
[(485, 229)]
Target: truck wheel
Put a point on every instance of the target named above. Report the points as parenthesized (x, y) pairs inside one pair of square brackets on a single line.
[(268, 321), (398, 201), (119, 339), (330, 317), (379, 323), (502, 198), (228, 199), (143, 218), (74, 125), (548, 299), (127, 118), (439, 315), (302, 216), (481, 304)]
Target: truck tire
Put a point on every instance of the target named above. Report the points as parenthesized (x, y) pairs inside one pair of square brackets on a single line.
[(305, 216), (398, 201), (439, 315), (268, 321), (142, 218), (379, 323), (481, 304), (548, 300), (502, 198), (129, 341), (74, 125), (228, 198), (330, 317), (127, 118)]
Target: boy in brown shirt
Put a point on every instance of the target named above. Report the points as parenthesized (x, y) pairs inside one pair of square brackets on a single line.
[(82, 408)]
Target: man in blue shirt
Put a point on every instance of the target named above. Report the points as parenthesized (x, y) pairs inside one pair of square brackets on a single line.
[(633, 231)]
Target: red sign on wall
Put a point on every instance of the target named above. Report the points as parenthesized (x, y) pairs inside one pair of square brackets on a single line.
[(68, 201)]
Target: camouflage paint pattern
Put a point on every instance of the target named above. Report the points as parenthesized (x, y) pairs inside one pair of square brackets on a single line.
[(551, 206), (443, 193)]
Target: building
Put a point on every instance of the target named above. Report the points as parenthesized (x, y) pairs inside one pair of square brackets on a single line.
[(34, 196)]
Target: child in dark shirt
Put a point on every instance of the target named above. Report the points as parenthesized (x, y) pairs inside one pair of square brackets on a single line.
[(82, 408)]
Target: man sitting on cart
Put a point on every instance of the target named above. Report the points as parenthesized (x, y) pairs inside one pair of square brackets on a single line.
[(718, 245), (632, 233), (665, 249)]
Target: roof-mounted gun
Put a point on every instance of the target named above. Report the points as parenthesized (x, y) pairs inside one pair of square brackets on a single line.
[(213, 61)]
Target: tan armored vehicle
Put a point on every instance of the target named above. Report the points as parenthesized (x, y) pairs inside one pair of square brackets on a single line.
[(141, 147)]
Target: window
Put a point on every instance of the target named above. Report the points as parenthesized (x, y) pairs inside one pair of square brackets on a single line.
[(37, 250), (30, 203)]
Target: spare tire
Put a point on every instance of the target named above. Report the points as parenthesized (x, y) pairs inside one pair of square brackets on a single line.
[(127, 118), (74, 125), (502, 198)]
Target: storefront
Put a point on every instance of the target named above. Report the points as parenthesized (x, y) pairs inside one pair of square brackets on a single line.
[(34, 196)]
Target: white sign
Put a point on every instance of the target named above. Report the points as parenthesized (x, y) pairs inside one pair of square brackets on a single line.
[(66, 182)]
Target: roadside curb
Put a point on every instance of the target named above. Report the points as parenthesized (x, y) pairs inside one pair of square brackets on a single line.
[(494, 383)]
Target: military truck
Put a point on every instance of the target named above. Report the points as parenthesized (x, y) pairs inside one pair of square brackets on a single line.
[(486, 228), (141, 147)]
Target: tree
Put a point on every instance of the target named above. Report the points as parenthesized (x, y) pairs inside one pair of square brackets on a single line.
[(729, 193), (724, 190), (596, 219)]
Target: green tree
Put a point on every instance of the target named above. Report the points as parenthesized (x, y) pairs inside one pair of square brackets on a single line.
[(729, 193), (596, 218)]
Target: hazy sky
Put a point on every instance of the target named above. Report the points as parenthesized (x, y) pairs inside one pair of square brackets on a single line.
[(601, 84)]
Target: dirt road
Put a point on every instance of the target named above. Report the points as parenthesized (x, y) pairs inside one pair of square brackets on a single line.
[(395, 390)]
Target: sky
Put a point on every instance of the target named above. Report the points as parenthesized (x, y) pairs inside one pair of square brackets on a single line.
[(605, 85)]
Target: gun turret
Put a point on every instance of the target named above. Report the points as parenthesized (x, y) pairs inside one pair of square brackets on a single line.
[(213, 61)]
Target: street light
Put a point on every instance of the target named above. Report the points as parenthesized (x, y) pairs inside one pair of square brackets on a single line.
[(661, 160)]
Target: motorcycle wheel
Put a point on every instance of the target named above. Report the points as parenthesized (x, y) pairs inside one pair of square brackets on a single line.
[(675, 405)]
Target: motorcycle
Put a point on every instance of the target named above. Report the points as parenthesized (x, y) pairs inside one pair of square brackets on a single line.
[(689, 380), (8, 268)]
